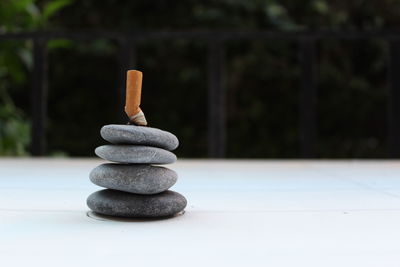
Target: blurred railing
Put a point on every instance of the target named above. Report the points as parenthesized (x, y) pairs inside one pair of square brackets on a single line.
[(216, 91)]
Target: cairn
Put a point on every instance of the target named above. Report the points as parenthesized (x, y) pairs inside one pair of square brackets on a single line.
[(137, 186)]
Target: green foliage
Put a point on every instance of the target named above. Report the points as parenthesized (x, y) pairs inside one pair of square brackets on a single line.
[(27, 14), (15, 64), (15, 58), (51, 8), (14, 130)]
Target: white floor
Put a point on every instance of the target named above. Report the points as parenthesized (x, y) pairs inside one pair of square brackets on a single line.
[(240, 213)]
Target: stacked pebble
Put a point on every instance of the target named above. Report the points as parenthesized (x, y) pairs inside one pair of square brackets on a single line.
[(136, 188)]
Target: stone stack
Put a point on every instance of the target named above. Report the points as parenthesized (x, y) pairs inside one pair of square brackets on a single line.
[(136, 188)]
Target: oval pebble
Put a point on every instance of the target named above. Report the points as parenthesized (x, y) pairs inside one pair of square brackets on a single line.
[(135, 154), (122, 204), (139, 135), (138, 179)]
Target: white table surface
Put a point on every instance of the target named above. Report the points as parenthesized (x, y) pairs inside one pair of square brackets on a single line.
[(239, 213)]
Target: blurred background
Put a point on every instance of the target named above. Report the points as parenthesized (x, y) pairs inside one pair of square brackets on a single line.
[(231, 78)]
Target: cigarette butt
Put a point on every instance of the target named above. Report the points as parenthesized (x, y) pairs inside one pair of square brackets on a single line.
[(133, 96)]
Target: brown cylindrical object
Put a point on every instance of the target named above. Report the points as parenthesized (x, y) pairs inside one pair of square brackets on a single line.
[(133, 92)]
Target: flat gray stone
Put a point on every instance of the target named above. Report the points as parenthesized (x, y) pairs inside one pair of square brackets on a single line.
[(139, 135), (122, 204), (139, 179), (135, 154)]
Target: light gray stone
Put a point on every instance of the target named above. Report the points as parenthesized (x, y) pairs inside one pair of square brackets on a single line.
[(135, 154), (139, 135), (122, 204), (139, 179)]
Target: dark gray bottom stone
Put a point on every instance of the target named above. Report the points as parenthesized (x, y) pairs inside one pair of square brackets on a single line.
[(138, 179), (122, 204)]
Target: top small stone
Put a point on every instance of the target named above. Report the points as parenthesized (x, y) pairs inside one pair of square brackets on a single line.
[(139, 135)]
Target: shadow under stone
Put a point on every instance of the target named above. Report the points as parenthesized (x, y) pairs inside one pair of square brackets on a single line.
[(101, 217)]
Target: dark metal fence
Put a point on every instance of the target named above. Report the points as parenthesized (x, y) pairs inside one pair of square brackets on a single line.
[(216, 91)]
